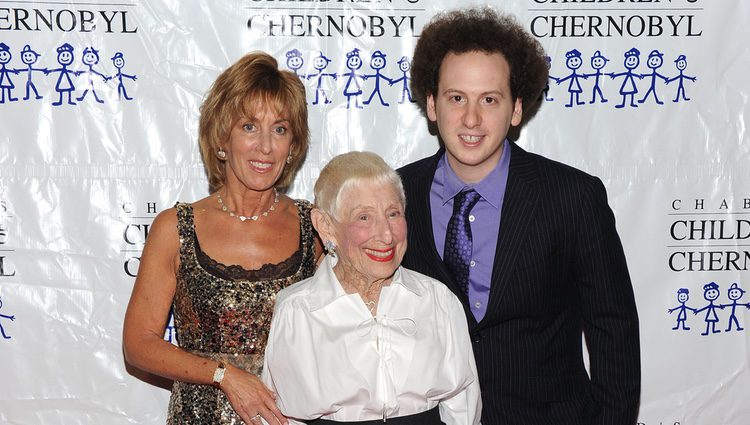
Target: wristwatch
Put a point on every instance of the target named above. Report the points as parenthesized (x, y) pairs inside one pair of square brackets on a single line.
[(219, 373)]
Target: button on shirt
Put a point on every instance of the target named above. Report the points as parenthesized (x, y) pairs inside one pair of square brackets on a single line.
[(328, 357), (484, 221)]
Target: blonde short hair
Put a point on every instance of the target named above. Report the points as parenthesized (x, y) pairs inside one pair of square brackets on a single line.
[(253, 82), (346, 170)]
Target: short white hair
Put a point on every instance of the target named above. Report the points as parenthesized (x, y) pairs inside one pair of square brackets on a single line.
[(345, 171)]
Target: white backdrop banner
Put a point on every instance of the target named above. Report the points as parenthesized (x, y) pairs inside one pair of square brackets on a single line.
[(98, 117)]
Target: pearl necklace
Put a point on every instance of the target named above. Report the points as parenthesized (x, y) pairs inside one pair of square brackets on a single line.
[(254, 217)]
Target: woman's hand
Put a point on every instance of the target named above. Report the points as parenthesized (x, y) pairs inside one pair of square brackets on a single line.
[(250, 398)]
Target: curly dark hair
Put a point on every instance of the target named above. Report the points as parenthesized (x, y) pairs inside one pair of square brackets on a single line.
[(485, 30)]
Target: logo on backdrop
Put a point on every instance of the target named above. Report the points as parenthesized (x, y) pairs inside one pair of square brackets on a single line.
[(134, 234), (709, 236), (710, 310), (631, 87), (357, 93), (67, 81)]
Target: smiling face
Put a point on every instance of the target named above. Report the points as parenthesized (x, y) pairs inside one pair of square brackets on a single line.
[(118, 62), (682, 297), (90, 58), (354, 62), (65, 57), (711, 294), (369, 231), (681, 64), (4, 56), (654, 62), (734, 294), (473, 109), (28, 58), (320, 63), (257, 150), (377, 62), (631, 61), (573, 62), (598, 62), (294, 62)]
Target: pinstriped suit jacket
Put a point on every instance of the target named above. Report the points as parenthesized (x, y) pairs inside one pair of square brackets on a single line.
[(559, 270)]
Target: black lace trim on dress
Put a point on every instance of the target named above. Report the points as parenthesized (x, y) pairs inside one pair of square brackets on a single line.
[(267, 271)]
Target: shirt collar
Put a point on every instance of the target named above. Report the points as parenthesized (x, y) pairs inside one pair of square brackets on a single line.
[(327, 287), (487, 188)]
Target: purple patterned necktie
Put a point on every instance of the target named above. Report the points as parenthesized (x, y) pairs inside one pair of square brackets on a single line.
[(458, 242)]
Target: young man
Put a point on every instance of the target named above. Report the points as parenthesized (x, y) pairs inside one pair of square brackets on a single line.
[(527, 244)]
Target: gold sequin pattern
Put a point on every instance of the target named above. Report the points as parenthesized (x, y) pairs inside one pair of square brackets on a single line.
[(224, 312)]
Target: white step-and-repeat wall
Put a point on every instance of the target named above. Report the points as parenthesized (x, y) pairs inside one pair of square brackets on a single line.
[(98, 117)]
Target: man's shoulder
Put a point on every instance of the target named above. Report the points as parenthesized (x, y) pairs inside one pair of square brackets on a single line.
[(550, 170)]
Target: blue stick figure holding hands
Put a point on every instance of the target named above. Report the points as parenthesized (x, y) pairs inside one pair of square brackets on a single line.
[(353, 87), (682, 296), (29, 58), (628, 87), (119, 62), (735, 293), (710, 293), (320, 63), (404, 66), (377, 63), (12, 318), (6, 85), (681, 63), (573, 62), (655, 61), (64, 83), (294, 61), (598, 62), (91, 58)]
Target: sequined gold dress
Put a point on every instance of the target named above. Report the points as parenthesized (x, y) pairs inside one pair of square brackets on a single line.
[(224, 312)]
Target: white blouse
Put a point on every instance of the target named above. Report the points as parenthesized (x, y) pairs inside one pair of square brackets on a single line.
[(328, 357)]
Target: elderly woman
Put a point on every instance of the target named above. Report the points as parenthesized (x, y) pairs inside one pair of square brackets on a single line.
[(365, 340), (220, 261)]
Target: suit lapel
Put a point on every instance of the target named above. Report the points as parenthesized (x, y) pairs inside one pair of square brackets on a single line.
[(423, 240), (519, 204)]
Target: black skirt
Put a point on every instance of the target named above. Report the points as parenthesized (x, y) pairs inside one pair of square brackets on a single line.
[(428, 417)]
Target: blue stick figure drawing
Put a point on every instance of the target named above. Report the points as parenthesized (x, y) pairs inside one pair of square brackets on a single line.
[(6, 85), (353, 87), (404, 66), (550, 77), (294, 61), (91, 58), (628, 87), (710, 293), (655, 61), (734, 293), (598, 62), (377, 63), (681, 63), (119, 62), (64, 83), (12, 318), (573, 62), (319, 64), (682, 296), (29, 58)]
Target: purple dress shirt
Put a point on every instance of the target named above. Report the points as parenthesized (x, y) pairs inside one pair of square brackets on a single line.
[(484, 221)]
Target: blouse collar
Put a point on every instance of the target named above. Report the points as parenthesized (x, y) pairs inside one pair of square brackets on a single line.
[(328, 289)]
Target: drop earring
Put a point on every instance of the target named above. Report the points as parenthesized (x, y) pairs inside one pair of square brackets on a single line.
[(330, 247), (221, 154), (289, 158)]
